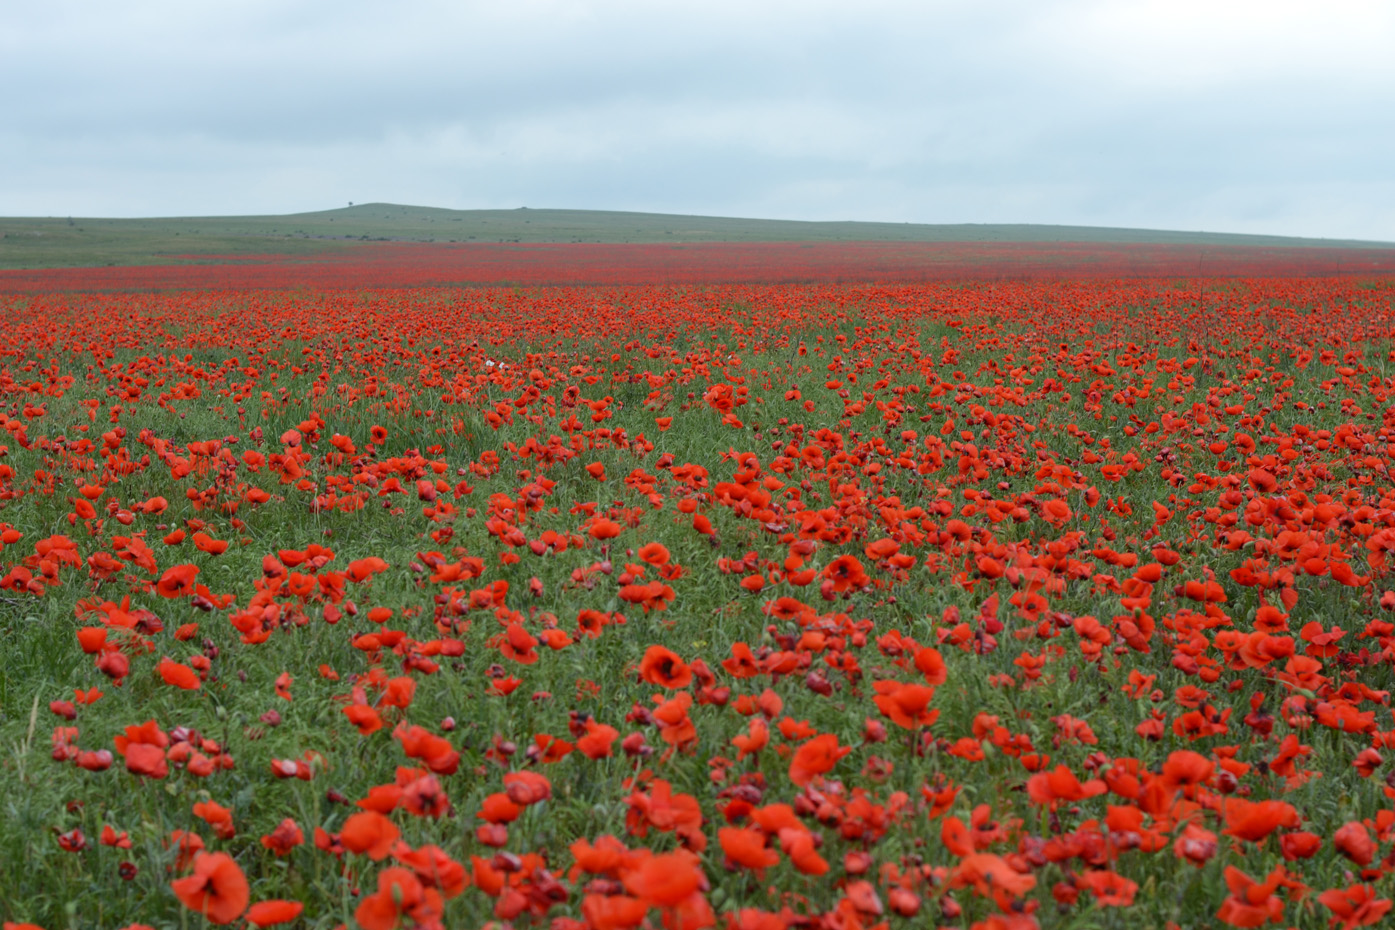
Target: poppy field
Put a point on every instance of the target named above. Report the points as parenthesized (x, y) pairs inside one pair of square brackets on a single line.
[(394, 265), (993, 604)]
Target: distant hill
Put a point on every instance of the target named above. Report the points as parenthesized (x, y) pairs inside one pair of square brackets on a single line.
[(65, 242)]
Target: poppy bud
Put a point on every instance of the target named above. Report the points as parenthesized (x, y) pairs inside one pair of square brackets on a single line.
[(1354, 841), (97, 761), (492, 834), (903, 901), (718, 696), (1299, 845), (506, 862), (114, 665)]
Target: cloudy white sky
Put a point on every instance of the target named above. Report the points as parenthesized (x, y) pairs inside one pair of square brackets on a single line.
[(1220, 115)]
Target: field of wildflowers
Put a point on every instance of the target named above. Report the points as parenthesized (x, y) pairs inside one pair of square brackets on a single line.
[(999, 604)]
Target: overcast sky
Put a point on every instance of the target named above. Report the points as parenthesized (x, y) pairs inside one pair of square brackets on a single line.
[(1219, 115)]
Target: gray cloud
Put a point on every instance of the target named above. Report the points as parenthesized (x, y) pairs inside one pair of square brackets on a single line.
[(1229, 116)]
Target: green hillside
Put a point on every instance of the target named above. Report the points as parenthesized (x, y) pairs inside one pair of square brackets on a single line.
[(54, 242)]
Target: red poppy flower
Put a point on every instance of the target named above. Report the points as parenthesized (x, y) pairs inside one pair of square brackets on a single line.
[(369, 833), (363, 569), (217, 889), (602, 528), (816, 757), (177, 581), (664, 668), (400, 895), (905, 705), (666, 880), (654, 553), (146, 759), (846, 574), (284, 838), (1355, 906), (270, 913), (597, 742), (1254, 820), (180, 676), (747, 848)]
